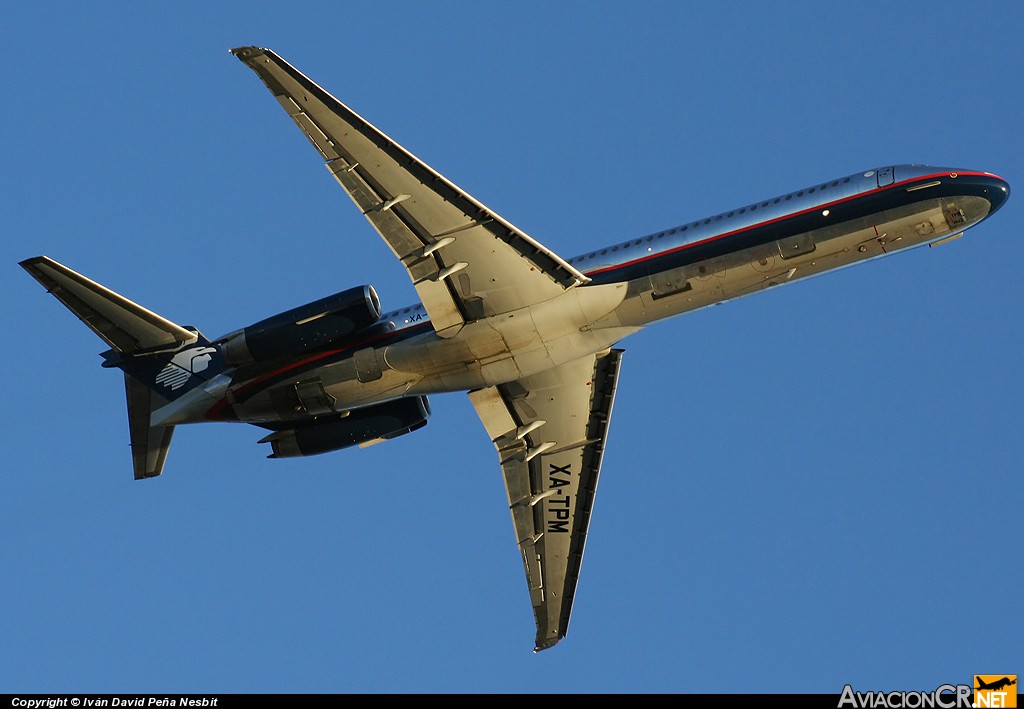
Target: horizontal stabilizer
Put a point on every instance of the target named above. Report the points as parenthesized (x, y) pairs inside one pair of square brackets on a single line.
[(122, 324)]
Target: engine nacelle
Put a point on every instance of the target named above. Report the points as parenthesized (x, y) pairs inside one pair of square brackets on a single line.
[(384, 421), (304, 329)]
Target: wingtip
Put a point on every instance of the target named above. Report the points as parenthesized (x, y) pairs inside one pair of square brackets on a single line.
[(32, 265), (246, 51), (542, 645), (25, 263)]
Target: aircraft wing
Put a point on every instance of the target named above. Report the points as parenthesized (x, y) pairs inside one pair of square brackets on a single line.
[(465, 261), (550, 431)]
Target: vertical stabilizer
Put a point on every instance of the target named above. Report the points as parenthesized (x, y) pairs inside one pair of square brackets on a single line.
[(160, 359), (149, 443)]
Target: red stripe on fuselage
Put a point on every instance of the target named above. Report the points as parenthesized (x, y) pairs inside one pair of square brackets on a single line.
[(216, 412), (824, 205)]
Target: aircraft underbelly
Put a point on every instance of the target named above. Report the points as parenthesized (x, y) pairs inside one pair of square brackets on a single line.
[(484, 353), (588, 319), (513, 345), (751, 270)]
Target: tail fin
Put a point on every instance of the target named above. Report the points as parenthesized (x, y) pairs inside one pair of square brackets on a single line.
[(149, 443), (158, 357)]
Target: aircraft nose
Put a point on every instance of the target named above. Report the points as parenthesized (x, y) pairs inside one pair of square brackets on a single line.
[(997, 191)]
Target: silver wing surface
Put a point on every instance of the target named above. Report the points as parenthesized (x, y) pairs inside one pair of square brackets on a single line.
[(465, 261), (550, 431)]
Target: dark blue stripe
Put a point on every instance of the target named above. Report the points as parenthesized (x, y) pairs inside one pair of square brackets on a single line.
[(866, 205)]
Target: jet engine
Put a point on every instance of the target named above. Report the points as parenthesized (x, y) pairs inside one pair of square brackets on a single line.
[(379, 421), (304, 329)]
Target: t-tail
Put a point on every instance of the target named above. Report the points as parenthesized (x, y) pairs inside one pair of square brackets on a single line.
[(161, 360)]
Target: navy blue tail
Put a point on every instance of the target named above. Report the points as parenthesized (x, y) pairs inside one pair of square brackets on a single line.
[(171, 373)]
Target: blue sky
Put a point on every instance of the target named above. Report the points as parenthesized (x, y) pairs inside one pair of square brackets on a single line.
[(815, 486)]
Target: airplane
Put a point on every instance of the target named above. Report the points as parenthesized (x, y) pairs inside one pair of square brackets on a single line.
[(532, 337), (996, 685)]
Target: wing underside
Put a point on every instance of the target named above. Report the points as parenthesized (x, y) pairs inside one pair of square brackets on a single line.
[(550, 432), (465, 261)]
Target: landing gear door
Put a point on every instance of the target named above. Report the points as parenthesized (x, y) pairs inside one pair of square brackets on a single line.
[(886, 176)]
